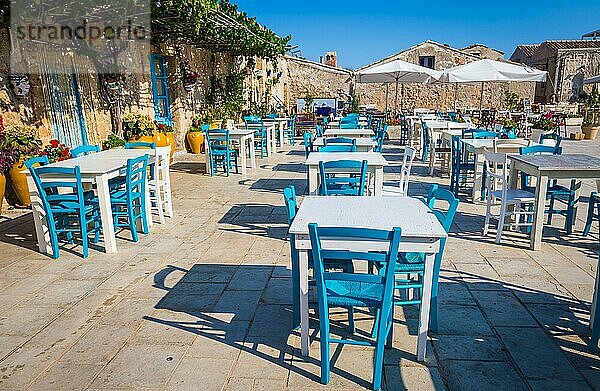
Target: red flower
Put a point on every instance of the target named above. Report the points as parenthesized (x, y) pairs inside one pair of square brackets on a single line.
[(65, 152), (54, 143)]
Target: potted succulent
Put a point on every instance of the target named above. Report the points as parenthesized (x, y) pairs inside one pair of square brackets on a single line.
[(167, 131), (195, 135), (139, 127), (24, 144), (591, 118)]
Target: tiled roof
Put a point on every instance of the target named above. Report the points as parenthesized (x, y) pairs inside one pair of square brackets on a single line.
[(528, 49), (573, 44)]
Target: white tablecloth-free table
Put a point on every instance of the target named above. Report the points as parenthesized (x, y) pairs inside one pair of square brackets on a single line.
[(281, 124), (478, 148), (245, 138), (352, 133), (436, 132), (336, 124), (375, 164), (95, 169), (421, 232), (363, 144), (271, 128), (545, 168)]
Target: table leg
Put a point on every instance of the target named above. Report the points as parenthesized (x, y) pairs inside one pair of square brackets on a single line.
[(431, 158), (108, 228), (538, 217), (148, 205), (281, 128), (304, 322), (312, 180), (39, 218), (425, 305), (243, 155), (252, 151), (269, 142), (274, 139), (478, 178), (378, 181)]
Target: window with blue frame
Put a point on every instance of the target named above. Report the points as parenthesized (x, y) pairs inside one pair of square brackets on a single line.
[(160, 89)]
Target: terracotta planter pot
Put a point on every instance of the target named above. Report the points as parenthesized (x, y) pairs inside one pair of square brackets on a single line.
[(18, 181), (171, 142), (590, 132), (195, 139), (160, 139), (2, 188)]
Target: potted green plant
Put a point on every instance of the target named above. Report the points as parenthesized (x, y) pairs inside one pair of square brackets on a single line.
[(167, 130), (195, 135), (139, 127), (23, 141), (113, 141), (511, 100), (547, 123), (56, 152), (591, 117)]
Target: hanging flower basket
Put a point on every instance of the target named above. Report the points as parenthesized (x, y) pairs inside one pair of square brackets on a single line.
[(189, 87), (112, 85)]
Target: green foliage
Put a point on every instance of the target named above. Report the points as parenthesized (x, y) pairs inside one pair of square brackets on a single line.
[(56, 151), (215, 24), (308, 103), (197, 123), (591, 108), (511, 100), (22, 141), (508, 123), (113, 141), (225, 97), (355, 104), (138, 125)]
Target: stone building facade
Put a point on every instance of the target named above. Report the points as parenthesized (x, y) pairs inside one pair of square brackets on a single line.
[(568, 62), (318, 80)]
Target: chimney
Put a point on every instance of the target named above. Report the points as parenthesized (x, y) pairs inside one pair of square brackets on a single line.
[(331, 59)]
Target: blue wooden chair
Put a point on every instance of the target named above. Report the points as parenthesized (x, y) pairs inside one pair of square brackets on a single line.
[(350, 290), (485, 134), (69, 210), (555, 192), (551, 136), (129, 204), (291, 204), (37, 161), (339, 148), (271, 116), (339, 140), (83, 150), (140, 145), (307, 139), (594, 203), (380, 138), (413, 264), (343, 177), (348, 125), (595, 337), (220, 151), (462, 166), (290, 131), (260, 134)]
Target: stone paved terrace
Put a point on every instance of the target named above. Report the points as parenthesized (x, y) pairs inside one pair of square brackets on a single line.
[(203, 302)]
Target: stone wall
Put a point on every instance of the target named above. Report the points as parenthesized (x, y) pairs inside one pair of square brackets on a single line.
[(573, 66)]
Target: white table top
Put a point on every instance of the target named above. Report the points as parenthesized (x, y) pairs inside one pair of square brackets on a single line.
[(341, 132), (500, 143), (410, 214), (240, 132), (447, 125), (360, 141), (566, 162), (102, 162), (372, 158)]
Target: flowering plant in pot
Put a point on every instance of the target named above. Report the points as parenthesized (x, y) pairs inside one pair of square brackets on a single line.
[(195, 134), (548, 123), (23, 142), (189, 77), (113, 141), (8, 157), (138, 127), (56, 151), (167, 130)]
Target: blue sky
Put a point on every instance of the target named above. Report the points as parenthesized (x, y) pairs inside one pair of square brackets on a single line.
[(365, 31)]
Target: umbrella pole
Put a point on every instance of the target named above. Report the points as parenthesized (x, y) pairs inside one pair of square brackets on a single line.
[(455, 91), (402, 101), (481, 100), (396, 100), (387, 93)]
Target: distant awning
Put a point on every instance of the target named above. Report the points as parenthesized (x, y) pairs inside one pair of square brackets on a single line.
[(492, 71), (592, 80)]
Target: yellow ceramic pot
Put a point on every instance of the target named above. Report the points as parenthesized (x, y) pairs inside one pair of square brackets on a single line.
[(18, 181), (195, 139), (2, 188), (171, 142), (160, 139), (141, 139)]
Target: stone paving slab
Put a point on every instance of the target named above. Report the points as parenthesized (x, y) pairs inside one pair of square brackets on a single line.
[(204, 302)]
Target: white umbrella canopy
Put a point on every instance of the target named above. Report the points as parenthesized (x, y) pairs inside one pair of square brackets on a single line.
[(490, 70), (397, 71), (592, 80)]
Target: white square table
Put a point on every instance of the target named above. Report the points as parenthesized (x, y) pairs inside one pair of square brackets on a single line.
[(95, 169), (478, 148), (245, 139), (363, 144), (436, 132), (352, 133), (270, 127), (336, 124), (545, 168), (375, 164), (421, 232), (281, 123)]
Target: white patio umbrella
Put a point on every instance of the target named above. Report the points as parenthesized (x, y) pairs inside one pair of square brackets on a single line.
[(397, 71), (489, 70), (592, 80)]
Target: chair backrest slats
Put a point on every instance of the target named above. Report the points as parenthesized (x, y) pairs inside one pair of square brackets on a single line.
[(83, 150)]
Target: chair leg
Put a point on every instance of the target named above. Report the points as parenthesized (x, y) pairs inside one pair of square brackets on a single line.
[(295, 288), (84, 234), (501, 222), (379, 350), (159, 205), (488, 210), (324, 330), (590, 215), (551, 210), (131, 218), (351, 326)]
